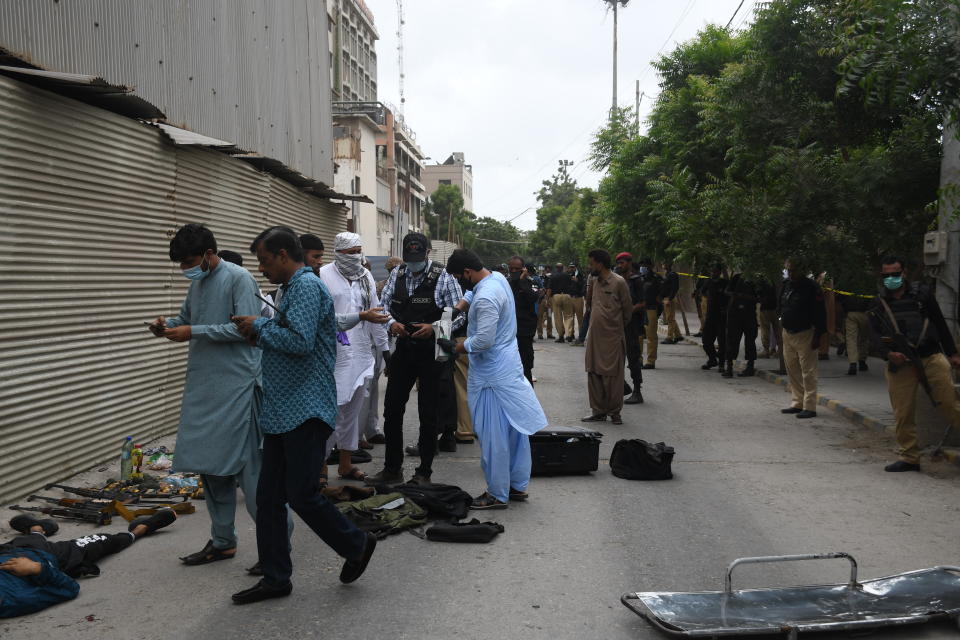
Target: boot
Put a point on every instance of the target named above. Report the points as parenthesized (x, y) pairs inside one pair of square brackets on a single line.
[(728, 372), (852, 371), (863, 365), (749, 371), (710, 364), (635, 398)]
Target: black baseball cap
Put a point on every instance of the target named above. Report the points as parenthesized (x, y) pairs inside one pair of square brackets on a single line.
[(415, 247)]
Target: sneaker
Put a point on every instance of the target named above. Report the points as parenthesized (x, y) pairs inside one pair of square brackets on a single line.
[(384, 477), (900, 466), (24, 522), (487, 501)]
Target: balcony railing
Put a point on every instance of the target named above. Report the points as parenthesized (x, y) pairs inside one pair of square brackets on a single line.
[(374, 110)]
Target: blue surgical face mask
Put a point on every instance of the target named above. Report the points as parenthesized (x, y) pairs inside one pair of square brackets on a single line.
[(417, 267), (196, 273), (893, 282)]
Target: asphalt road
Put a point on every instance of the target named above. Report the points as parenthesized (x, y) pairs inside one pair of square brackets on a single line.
[(749, 481)]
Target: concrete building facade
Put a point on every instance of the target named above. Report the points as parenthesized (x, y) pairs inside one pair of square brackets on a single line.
[(454, 171), (353, 54)]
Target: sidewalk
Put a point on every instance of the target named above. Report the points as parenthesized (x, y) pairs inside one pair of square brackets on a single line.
[(862, 398)]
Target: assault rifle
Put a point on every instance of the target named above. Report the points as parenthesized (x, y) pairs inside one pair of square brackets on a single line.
[(70, 513), (899, 343), (124, 495)]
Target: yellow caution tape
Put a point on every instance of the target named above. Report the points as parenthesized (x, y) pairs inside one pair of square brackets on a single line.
[(837, 291)]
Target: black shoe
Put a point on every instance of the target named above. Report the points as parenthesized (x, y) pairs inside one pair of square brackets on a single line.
[(728, 371), (353, 569), (616, 419), (517, 495), (377, 438), (570, 339), (447, 443), (560, 340), (901, 465), (412, 450), (261, 591), (723, 367), (162, 518), (635, 398), (24, 522), (791, 410), (710, 364), (419, 480), (698, 334), (356, 457), (487, 501), (627, 389), (852, 371), (807, 414), (255, 570), (748, 371), (650, 366), (384, 477), (597, 417), (863, 365)]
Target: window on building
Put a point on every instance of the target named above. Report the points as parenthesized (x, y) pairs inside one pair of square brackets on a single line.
[(444, 182)]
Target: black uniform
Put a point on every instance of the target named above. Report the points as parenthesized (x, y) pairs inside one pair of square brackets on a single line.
[(916, 307), (715, 324), (742, 323), (413, 360), (525, 298), (802, 307), (634, 329)]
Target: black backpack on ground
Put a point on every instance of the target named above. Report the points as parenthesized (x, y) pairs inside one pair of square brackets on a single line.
[(444, 501), (641, 460), (473, 531)]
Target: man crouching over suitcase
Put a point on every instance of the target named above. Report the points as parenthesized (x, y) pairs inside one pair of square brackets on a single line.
[(504, 408)]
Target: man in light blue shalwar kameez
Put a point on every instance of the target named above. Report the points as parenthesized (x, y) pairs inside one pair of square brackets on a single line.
[(503, 405), (218, 436)]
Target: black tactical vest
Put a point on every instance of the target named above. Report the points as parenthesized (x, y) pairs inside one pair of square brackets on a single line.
[(422, 306), (911, 314)]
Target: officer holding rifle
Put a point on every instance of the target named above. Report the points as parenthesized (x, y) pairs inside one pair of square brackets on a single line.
[(911, 334)]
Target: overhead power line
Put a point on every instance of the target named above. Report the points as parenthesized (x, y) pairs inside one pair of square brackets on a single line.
[(730, 21)]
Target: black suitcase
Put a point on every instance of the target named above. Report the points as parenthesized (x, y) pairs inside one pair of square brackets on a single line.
[(557, 450)]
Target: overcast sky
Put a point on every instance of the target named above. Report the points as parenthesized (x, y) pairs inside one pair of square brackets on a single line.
[(518, 85)]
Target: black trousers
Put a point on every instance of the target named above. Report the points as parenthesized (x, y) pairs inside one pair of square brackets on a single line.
[(411, 361), (742, 323), (715, 330), (583, 327), (447, 399), (78, 557), (632, 333), (525, 345), (290, 475)]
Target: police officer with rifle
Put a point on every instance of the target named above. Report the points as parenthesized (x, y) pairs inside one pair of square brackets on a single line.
[(909, 331)]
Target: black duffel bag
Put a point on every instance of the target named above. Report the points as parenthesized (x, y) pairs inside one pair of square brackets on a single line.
[(473, 531), (640, 460)]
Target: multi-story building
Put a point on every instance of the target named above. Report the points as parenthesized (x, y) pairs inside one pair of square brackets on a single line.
[(408, 160), (452, 171), (353, 55)]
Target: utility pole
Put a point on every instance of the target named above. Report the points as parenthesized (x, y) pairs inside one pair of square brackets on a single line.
[(636, 112), (400, 23), (615, 4)]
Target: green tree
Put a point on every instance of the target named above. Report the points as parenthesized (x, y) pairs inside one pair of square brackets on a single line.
[(447, 200)]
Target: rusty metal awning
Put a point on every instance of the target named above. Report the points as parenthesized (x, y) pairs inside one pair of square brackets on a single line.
[(185, 137), (92, 89), (334, 195)]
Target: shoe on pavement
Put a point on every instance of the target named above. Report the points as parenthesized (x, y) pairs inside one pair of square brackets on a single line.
[(862, 364), (597, 417), (24, 522), (560, 340), (627, 389), (419, 480), (578, 343), (353, 569), (698, 334), (261, 591), (162, 518), (649, 365), (571, 339), (616, 419), (255, 570), (807, 414), (748, 371), (710, 364), (384, 477), (487, 501), (727, 372), (852, 371), (377, 438), (791, 410), (900, 466), (635, 398), (549, 336), (412, 450), (447, 443), (723, 367), (517, 495)]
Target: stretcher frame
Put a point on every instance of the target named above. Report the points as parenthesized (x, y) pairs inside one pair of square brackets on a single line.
[(914, 597)]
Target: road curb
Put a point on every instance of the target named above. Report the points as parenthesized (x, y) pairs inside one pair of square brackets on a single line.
[(852, 414)]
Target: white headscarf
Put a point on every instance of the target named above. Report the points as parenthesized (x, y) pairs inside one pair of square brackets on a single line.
[(350, 264), (347, 240)]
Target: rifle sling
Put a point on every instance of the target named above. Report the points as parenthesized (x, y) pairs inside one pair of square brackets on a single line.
[(896, 327)]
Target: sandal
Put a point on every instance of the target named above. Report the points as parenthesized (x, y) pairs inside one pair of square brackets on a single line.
[(208, 554), (354, 474)]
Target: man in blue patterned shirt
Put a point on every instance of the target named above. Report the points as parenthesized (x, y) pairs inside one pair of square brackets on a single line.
[(414, 297), (299, 407)]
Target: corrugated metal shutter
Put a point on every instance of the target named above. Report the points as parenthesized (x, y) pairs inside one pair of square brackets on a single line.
[(305, 213), (84, 205)]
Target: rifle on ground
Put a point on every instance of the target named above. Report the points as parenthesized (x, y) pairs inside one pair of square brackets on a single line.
[(97, 517), (125, 495)]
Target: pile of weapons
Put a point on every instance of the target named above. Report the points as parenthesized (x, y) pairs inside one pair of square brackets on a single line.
[(100, 505)]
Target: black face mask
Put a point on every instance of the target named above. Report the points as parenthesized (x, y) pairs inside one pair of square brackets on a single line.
[(465, 284), (514, 275)]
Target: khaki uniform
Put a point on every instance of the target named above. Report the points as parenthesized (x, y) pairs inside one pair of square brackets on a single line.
[(670, 317), (461, 371), (903, 398), (652, 338), (577, 302), (801, 361), (857, 335), (563, 314), (544, 317)]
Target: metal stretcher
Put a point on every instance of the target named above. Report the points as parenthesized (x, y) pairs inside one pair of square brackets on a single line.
[(914, 597)]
